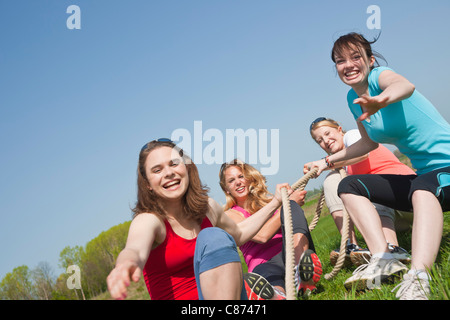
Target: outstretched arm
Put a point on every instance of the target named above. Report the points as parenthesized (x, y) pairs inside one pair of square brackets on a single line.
[(395, 88), (132, 258)]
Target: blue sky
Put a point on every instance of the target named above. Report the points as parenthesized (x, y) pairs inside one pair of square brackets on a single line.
[(77, 105)]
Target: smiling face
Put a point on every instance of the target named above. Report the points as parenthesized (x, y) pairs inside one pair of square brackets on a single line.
[(330, 139), (353, 66), (236, 184), (166, 173)]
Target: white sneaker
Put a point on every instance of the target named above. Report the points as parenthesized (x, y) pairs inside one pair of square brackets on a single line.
[(412, 288), (376, 271)]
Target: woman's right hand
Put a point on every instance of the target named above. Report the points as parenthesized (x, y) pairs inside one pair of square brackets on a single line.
[(321, 165), (119, 279), (277, 195)]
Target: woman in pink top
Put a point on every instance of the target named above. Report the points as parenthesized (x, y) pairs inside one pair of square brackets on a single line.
[(246, 191)]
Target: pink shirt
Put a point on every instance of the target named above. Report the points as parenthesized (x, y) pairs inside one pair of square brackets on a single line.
[(257, 253)]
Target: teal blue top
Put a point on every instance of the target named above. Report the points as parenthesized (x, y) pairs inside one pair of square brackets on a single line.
[(413, 125)]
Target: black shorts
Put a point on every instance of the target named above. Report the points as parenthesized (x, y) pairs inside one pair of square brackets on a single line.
[(395, 191)]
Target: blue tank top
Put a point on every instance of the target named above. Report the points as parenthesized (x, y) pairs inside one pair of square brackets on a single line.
[(413, 125)]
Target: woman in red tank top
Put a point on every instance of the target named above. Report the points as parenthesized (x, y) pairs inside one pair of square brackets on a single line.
[(179, 238)]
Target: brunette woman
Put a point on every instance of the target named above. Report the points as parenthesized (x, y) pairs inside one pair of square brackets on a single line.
[(389, 109)]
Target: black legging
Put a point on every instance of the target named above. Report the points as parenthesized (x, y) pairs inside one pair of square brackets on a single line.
[(395, 191), (274, 269)]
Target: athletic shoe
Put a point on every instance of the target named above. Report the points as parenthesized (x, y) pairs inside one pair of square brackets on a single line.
[(258, 288), (308, 273), (350, 247), (399, 253), (412, 288), (376, 271)]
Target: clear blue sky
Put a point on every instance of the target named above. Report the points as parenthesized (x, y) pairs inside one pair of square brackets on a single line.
[(77, 105)]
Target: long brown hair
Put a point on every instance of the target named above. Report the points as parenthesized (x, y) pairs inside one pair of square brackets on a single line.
[(258, 195), (195, 200)]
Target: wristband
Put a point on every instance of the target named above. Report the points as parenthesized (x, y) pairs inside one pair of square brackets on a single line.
[(328, 162)]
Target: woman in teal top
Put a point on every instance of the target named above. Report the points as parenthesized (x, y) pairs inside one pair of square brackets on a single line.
[(413, 125), (388, 109)]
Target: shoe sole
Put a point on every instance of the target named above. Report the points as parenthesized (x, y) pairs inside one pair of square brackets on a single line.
[(257, 287), (310, 271), (334, 256), (359, 258)]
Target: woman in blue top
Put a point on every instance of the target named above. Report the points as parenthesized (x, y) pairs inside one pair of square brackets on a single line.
[(388, 109)]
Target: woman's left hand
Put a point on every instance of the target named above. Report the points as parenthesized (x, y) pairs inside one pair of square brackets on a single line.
[(370, 105)]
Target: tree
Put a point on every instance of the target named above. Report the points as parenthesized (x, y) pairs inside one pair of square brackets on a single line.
[(17, 285), (43, 281)]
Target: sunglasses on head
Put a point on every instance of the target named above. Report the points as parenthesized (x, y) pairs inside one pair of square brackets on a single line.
[(320, 119), (157, 140)]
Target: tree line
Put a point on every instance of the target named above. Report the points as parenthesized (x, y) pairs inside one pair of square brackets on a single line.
[(94, 261)]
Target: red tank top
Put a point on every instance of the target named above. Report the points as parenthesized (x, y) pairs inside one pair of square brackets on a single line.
[(169, 271)]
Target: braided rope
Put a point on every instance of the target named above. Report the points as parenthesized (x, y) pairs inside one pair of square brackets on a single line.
[(345, 235), (289, 242), (289, 236), (319, 207)]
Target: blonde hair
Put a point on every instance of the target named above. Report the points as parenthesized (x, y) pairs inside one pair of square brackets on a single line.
[(258, 195), (324, 122)]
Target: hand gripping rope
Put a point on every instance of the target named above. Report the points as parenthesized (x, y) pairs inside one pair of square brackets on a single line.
[(290, 259)]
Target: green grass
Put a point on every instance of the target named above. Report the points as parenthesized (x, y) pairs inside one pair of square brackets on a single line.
[(326, 238)]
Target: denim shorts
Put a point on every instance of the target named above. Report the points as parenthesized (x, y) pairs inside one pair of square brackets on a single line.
[(214, 247)]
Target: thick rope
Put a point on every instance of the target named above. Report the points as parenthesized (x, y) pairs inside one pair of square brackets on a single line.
[(289, 236), (319, 207), (345, 235), (289, 242)]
